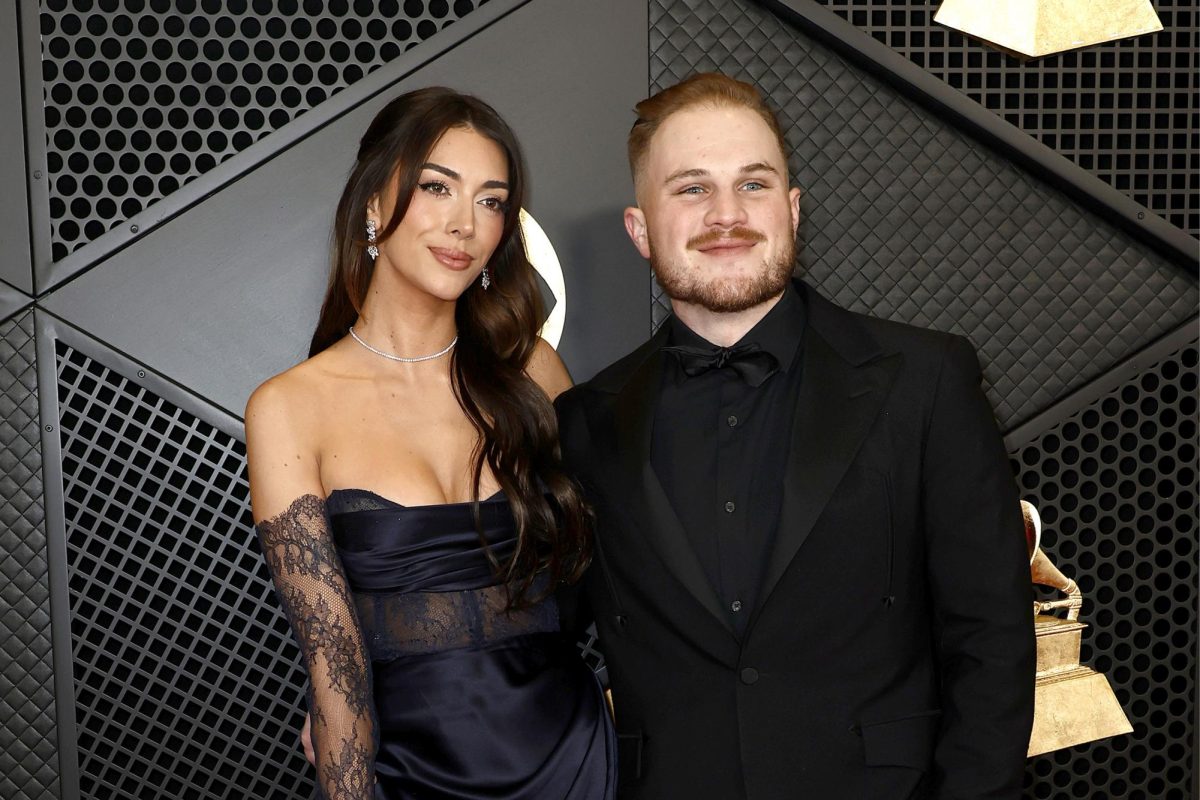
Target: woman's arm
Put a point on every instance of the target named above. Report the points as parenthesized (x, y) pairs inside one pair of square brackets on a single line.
[(546, 369), (297, 543)]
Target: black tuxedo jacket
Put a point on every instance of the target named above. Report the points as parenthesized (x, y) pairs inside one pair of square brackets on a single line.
[(891, 653)]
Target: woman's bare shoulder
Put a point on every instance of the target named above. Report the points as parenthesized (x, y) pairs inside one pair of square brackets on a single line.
[(292, 405), (286, 420), (297, 388), (547, 370)]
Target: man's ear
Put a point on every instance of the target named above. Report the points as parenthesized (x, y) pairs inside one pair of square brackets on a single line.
[(794, 202), (635, 226)]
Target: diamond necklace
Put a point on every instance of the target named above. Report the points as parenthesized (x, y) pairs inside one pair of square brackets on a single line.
[(392, 357)]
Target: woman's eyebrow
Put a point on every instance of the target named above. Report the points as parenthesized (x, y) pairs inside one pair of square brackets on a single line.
[(449, 173)]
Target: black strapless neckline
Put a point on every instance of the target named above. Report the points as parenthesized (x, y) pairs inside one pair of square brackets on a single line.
[(338, 497), (393, 548)]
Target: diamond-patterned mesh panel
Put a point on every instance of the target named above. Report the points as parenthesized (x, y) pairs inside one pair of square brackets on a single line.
[(1116, 488), (187, 680), (1126, 111), (28, 745), (907, 218), (142, 96)]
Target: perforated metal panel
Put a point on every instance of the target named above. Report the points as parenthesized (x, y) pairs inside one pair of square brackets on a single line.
[(28, 745), (187, 681), (1116, 488), (905, 217), (1124, 111), (144, 95)]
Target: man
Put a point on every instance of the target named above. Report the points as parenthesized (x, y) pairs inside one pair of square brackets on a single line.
[(810, 577)]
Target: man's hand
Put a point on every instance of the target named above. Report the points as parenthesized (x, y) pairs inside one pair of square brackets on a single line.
[(306, 741)]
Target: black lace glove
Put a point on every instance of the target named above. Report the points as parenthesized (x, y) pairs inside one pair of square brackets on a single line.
[(298, 547)]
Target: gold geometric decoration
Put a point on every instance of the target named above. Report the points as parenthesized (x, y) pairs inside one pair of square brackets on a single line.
[(1073, 704), (1036, 28)]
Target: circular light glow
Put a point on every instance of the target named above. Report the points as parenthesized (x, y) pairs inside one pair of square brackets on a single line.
[(541, 255)]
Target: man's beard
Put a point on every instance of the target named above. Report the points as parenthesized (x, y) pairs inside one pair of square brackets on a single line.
[(726, 295)]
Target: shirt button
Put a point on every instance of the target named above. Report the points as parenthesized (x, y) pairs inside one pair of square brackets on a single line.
[(749, 676), (732, 420), (736, 605), (729, 506)]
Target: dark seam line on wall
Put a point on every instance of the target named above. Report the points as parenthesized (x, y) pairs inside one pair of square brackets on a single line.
[(33, 123), (274, 144), (12, 300), (15, 312), (5, 286), (1043, 163), (54, 507), (1098, 387), (155, 381)]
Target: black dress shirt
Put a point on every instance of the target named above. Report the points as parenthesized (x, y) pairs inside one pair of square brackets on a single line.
[(720, 448)]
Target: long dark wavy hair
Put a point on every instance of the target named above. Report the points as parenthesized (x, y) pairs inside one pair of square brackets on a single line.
[(497, 334)]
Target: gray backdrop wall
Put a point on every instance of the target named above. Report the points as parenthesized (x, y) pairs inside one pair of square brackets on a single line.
[(171, 174)]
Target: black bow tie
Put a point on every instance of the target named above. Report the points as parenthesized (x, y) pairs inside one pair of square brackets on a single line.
[(751, 362)]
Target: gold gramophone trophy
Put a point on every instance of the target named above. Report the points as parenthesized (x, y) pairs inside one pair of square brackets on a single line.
[(1073, 704)]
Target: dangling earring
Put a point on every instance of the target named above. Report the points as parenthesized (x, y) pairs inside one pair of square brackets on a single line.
[(372, 250), (485, 280)]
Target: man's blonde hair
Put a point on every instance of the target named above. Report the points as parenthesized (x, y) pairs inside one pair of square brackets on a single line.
[(702, 89)]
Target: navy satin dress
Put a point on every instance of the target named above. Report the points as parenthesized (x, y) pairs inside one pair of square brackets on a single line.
[(473, 702)]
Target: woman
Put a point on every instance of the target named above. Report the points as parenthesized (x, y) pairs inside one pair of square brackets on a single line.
[(407, 492)]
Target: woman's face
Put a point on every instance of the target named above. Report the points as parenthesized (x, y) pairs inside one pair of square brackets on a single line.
[(454, 220)]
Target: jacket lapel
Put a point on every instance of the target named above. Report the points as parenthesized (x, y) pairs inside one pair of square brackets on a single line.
[(633, 410), (838, 402)]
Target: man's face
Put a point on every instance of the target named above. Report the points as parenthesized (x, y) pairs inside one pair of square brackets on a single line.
[(715, 216)]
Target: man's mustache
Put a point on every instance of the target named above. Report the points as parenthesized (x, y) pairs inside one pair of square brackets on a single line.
[(746, 235)]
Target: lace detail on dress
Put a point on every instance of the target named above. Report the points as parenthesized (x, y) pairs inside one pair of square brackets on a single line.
[(347, 501), (299, 550), (424, 622), (407, 623)]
